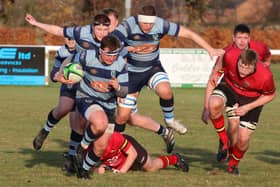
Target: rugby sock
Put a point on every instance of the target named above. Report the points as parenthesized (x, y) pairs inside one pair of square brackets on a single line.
[(236, 156), (90, 160), (88, 137), (168, 160), (219, 125), (167, 107), (51, 122), (119, 127), (161, 131), (75, 139)]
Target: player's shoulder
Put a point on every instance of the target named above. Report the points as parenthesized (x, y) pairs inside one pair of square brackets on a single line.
[(87, 55), (131, 20), (121, 60), (232, 51), (263, 69), (254, 43), (63, 51), (229, 46)]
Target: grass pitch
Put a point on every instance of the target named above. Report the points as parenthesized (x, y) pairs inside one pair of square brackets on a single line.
[(24, 110)]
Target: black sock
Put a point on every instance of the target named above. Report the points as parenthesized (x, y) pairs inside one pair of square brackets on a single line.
[(119, 127)]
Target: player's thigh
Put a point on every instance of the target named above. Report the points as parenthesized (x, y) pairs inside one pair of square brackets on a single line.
[(77, 122), (65, 104), (233, 124)]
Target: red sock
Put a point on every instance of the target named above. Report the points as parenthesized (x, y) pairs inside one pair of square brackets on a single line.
[(219, 125), (236, 156), (168, 160)]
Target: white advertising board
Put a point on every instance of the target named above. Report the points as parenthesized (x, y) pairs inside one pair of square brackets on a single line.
[(186, 67)]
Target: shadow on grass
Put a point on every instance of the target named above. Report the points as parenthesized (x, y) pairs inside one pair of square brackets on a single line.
[(268, 156), (44, 156)]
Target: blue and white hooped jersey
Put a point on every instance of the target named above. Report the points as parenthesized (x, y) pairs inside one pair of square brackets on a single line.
[(83, 37), (95, 84), (147, 44), (62, 53)]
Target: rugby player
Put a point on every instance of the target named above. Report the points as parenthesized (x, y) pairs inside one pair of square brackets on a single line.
[(241, 40), (141, 35), (248, 85)]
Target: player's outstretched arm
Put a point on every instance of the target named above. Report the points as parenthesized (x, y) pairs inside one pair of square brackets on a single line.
[(53, 29), (187, 33)]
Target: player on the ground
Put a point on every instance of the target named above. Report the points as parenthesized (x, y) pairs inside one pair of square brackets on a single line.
[(248, 85), (124, 153), (141, 35), (241, 40)]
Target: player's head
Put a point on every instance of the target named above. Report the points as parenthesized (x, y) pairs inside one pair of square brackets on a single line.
[(247, 62), (109, 49), (70, 43), (100, 26), (113, 15), (146, 18), (241, 36)]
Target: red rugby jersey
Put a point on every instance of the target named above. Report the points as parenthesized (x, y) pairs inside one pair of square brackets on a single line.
[(114, 155), (258, 83)]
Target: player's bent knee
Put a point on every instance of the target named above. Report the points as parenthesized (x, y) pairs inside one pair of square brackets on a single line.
[(157, 78), (92, 109), (218, 95)]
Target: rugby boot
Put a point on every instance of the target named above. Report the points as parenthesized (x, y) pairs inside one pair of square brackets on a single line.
[(68, 164), (39, 139), (169, 140), (79, 158), (80, 155), (223, 152), (83, 174), (181, 163), (233, 170), (177, 126)]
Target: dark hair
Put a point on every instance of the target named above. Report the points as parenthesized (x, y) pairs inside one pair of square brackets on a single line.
[(110, 11), (110, 42), (101, 19), (249, 57), (148, 10), (241, 28)]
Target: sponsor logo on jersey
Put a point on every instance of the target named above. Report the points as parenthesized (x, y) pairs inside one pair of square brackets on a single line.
[(93, 71)]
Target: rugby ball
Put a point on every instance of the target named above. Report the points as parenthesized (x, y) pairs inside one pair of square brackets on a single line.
[(73, 72)]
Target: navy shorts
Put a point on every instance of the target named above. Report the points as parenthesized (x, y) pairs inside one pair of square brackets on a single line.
[(84, 103), (137, 80), (68, 90)]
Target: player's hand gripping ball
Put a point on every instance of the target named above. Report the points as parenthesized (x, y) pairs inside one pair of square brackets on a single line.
[(73, 72)]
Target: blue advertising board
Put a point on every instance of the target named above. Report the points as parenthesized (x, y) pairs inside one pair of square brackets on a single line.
[(22, 65)]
